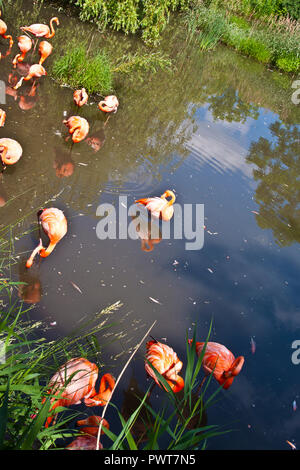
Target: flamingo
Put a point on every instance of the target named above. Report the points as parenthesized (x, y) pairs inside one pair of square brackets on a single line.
[(42, 30), (45, 49), (54, 224), (91, 425), (73, 382), (2, 117), (160, 207), (3, 29), (220, 361), (84, 443), (10, 151), (78, 127), (35, 71), (80, 97), (25, 44), (109, 104), (166, 362)]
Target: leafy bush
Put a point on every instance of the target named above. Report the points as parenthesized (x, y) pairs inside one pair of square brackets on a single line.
[(129, 16)]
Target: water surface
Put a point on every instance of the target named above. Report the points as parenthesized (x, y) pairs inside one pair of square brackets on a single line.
[(220, 130)]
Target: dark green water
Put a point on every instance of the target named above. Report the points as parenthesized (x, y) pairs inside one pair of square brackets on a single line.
[(221, 130)]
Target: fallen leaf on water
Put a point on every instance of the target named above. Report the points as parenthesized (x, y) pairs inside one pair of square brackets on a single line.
[(154, 300), (253, 345), (292, 445), (76, 287)]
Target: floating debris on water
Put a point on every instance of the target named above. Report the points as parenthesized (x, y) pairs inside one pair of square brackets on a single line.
[(76, 287), (253, 345), (156, 301), (292, 445), (210, 270), (294, 405)]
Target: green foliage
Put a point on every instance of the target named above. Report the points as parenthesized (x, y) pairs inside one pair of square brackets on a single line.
[(288, 63), (77, 69), (276, 43), (255, 48), (130, 16)]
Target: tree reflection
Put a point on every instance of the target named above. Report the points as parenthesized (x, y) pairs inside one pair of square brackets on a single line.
[(230, 107), (278, 177)]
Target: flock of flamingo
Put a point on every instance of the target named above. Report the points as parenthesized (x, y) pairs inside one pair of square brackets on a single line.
[(75, 381)]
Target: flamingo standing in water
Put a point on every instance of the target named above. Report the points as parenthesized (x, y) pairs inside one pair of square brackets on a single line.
[(10, 151), (160, 207), (45, 49), (42, 30), (3, 29), (78, 128), (72, 383), (55, 225), (109, 104), (166, 362), (35, 71), (220, 361), (75, 382), (80, 97), (24, 44)]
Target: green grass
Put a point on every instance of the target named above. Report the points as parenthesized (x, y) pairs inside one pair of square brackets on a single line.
[(274, 42), (78, 69)]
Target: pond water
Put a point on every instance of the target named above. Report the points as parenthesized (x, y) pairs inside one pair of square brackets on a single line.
[(219, 130)]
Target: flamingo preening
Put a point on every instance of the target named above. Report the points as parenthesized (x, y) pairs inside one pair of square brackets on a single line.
[(160, 207), (78, 128), (75, 382), (24, 44), (72, 383), (219, 361), (35, 71), (80, 97), (10, 151), (42, 30), (45, 49), (166, 362), (3, 30), (109, 104), (54, 224)]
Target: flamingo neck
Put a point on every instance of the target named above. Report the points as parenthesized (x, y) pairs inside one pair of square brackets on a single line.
[(44, 253), (176, 384), (52, 28)]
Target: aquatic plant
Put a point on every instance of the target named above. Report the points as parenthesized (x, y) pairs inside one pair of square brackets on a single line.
[(78, 69)]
